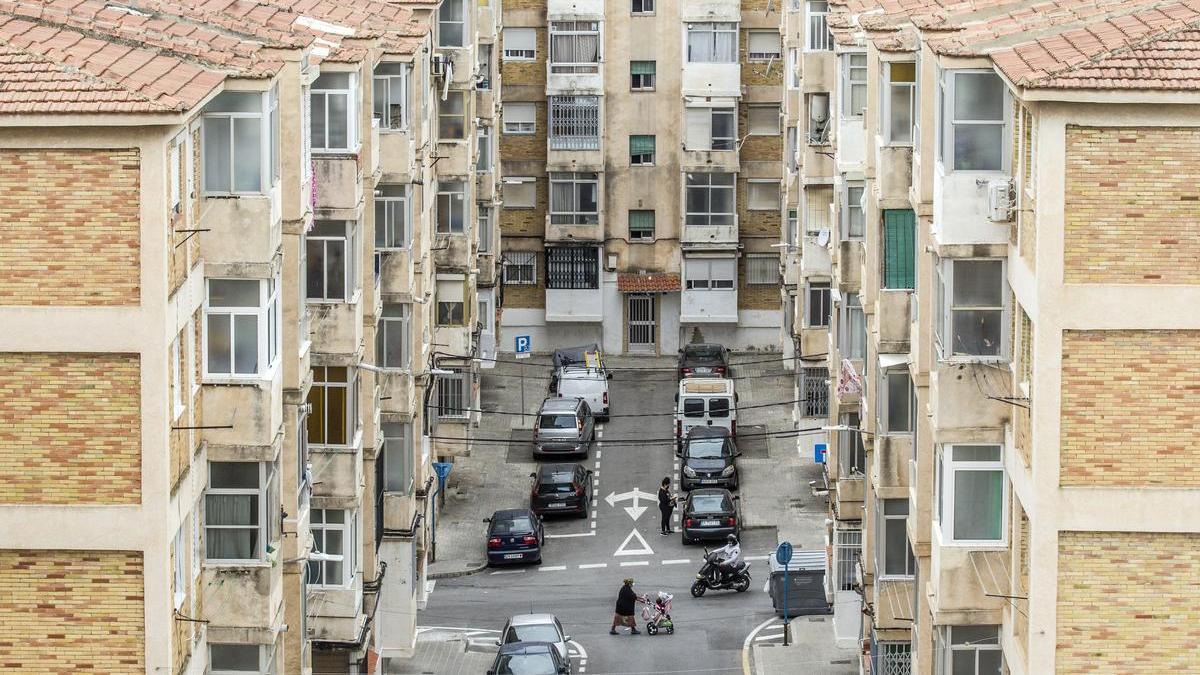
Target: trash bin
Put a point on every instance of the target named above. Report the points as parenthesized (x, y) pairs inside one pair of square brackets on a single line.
[(806, 585)]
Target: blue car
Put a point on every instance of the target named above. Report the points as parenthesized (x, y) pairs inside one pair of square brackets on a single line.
[(514, 536)]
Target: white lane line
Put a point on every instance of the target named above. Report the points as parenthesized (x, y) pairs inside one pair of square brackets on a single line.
[(636, 563), (573, 534), (765, 638), (757, 557), (593, 502), (750, 639), (596, 473), (598, 454), (593, 526), (593, 566), (509, 572), (552, 568), (593, 514), (599, 432), (681, 561)]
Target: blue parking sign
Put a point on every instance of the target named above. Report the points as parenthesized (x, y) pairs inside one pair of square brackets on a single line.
[(524, 344)]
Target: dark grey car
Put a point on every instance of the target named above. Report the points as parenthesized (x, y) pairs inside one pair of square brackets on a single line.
[(708, 459), (563, 427)]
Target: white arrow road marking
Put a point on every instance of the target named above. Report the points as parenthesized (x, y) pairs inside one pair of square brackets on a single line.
[(636, 495), (634, 534)]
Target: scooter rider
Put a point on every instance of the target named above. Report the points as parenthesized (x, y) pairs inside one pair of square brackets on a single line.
[(730, 556)]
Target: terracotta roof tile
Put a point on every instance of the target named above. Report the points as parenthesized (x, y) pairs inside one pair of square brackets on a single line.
[(647, 282)]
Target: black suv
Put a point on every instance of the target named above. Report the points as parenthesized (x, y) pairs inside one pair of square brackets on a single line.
[(703, 360), (561, 488), (708, 459)]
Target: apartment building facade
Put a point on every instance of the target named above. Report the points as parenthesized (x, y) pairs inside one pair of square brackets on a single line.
[(248, 278), (639, 145), (1008, 320)]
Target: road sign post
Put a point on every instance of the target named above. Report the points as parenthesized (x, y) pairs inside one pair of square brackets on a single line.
[(442, 469), (523, 346), (783, 554)]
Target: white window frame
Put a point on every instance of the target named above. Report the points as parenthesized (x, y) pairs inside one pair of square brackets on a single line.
[(522, 126), (712, 29), (573, 122), (821, 290), (397, 457), (576, 30), (756, 202), (483, 67), (817, 37), (947, 467), (854, 78), (641, 7), (451, 197), (321, 384), (643, 159), (316, 93), (266, 660), (455, 287), (391, 205), (514, 262), (350, 259), (793, 76), (520, 52), (394, 326), (262, 515), (889, 88), (388, 86), (765, 112), (653, 232), (945, 656), (772, 55), (944, 329), (464, 39), (852, 329), (320, 529), (180, 577), (885, 521), (483, 149), (850, 446), (483, 227), (762, 269), (706, 115), (177, 383), (884, 401), (264, 160), (648, 81), (175, 200), (578, 180), (267, 330), (851, 207), (946, 142), (446, 115), (510, 194), (442, 399), (724, 218), (703, 274)]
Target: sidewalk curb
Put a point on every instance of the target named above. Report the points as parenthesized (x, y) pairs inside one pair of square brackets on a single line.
[(471, 569)]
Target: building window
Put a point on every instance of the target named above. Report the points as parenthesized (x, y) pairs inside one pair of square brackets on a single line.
[(892, 658), (452, 396), (972, 307), (641, 150), (853, 331), (710, 128), (971, 493), (520, 193), (179, 564), (574, 47), (793, 227), (331, 101), (235, 143), (572, 267), (710, 274), (847, 549), (790, 147), (895, 407), (968, 650), (520, 268), (763, 119), (520, 118), (452, 116), (391, 217), (176, 356), (763, 45), (762, 269), (334, 401), (390, 95), (520, 44), (817, 304), (852, 455), (899, 102), (853, 220), (332, 259), (334, 538), (236, 510), (899, 248), (392, 338), (642, 7), (241, 327), (641, 225), (451, 307), (451, 206), (483, 71), (574, 198), (452, 23), (483, 227), (817, 35), (397, 457), (712, 42), (794, 75), (815, 385), (574, 122), (239, 659), (762, 195), (854, 84), (641, 75), (483, 149), (709, 199), (818, 119), (894, 557), (973, 136)]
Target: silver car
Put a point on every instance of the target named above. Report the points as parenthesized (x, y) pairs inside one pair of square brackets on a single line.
[(536, 628), (563, 426)]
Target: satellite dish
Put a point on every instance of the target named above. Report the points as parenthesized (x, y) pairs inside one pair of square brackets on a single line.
[(823, 237)]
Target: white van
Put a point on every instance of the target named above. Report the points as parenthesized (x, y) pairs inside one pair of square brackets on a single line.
[(589, 384), (705, 401)]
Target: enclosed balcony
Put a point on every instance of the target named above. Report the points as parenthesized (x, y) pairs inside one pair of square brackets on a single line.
[(575, 65), (573, 284), (574, 207), (709, 289), (710, 215), (573, 140)]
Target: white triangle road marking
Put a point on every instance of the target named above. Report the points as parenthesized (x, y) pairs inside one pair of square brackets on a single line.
[(634, 534)]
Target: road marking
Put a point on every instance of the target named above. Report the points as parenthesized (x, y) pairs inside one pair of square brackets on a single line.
[(764, 638), (634, 534), (593, 526), (593, 502), (552, 568), (593, 514), (635, 563), (757, 557), (749, 639), (509, 571), (598, 454), (681, 561), (596, 472), (592, 566), (573, 534)]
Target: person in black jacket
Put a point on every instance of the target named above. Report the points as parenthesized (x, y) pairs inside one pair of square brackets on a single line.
[(626, 600), (666, 504)]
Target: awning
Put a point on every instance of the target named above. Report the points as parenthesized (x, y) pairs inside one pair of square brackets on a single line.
[(647, 283), (891, 360)]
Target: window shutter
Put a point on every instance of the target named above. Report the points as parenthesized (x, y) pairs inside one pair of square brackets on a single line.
[(641, 67), (641, 145), (899, 230), (698, 128)]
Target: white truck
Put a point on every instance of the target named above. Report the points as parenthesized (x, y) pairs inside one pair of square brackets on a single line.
[(705, 401), (587, 383)]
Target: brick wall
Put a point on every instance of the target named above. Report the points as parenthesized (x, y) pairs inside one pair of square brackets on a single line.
[(70, 428), (1132, 196), (757, 148), (518, 72), (526, 296), (1128, 602), (755, 296), (69, 227), (755, 222), (1130, 408), (71, 612), (527, 221)]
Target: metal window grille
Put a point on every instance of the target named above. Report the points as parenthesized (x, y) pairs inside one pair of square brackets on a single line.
[(846, 552), (574, 122), (520, 268), (452, 396), (815, 384), (762, 269), (899, 249), (894, 658), (569, 267)]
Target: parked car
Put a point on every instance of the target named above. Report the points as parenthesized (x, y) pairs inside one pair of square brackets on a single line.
[(529, 658), (589, 384), (561, 488), (514, 536), (703, 359), (707, 459), (564, 426), (704, 402), (710, 514), (536, 628), (583, 355)]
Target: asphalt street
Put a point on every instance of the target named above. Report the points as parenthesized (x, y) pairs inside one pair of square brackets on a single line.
[(586, 559)]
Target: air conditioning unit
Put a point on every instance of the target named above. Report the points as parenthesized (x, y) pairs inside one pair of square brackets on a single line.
[(1000, 200), (440, 65)]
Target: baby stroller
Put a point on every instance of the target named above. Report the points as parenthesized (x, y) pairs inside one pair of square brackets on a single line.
[(657, 614)]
